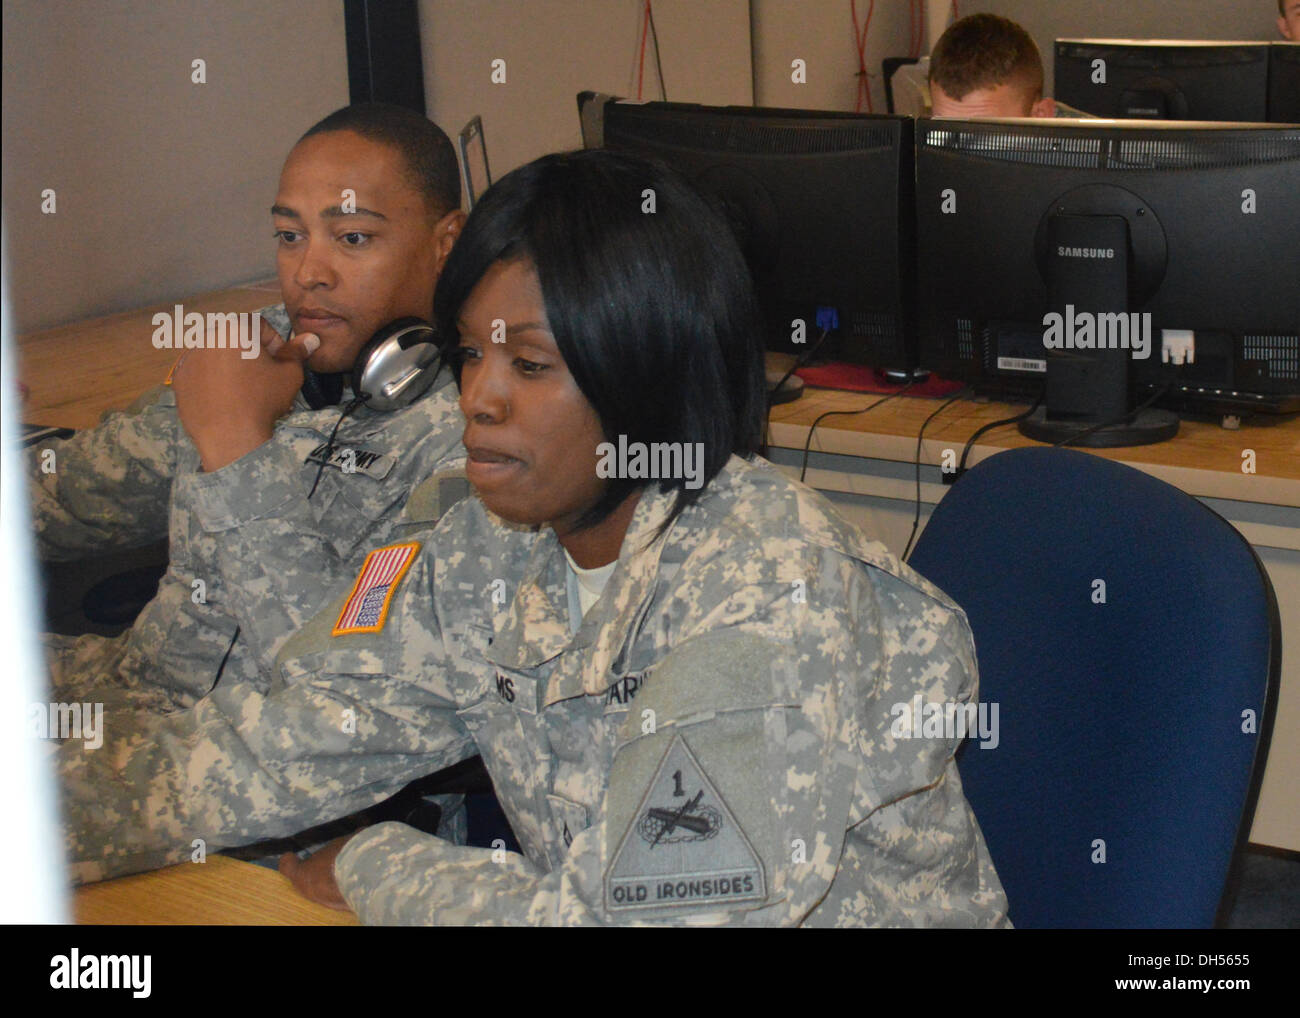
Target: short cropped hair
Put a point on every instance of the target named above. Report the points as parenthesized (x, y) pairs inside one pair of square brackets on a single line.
[(431, 164), (653, 311), (984, 51)]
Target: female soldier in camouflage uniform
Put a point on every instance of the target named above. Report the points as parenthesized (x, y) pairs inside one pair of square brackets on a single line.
[(683, 680)]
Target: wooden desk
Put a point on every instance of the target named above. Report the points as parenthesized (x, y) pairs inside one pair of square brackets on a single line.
[(76, 372), (1203, 459), (218, 892)]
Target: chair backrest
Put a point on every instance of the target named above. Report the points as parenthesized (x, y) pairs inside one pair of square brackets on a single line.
[(1130, 639)]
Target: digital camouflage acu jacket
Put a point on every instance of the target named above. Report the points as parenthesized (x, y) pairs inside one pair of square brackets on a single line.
[(249, 551)]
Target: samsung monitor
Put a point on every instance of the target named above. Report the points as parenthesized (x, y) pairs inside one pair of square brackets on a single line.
[(1081, 258), (821, 204), (1164, 79)]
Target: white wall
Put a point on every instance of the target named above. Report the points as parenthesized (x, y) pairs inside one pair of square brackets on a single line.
[(820, 33), (163, 186), (554, 49)]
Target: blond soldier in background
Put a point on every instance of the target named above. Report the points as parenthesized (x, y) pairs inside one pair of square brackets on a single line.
[(988, 66)]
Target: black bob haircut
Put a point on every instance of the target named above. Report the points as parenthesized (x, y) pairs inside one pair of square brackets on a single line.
[(431, 164), (653, 312)]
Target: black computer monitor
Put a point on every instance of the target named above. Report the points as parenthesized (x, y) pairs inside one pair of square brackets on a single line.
[(1164, 79), (1284, 83), (1160, 226), (821, 204)]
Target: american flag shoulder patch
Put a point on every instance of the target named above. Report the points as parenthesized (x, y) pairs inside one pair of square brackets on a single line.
[(366, 608)]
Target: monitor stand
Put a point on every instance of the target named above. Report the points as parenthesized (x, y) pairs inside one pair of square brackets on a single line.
[(1088, 336)]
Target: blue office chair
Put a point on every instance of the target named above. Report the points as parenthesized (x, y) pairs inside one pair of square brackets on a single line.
[(1132, 729)]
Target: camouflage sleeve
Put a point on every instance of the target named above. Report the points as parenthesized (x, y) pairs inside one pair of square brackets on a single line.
[(914, 855), (109, 486), (342, 732), (276, 563)]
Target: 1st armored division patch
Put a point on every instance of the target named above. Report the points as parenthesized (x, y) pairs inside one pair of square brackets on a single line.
[(683, 847), (366, 608)]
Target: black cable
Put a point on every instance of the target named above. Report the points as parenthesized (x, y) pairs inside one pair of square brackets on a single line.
[(329, 445), (226, 657), (970, 442), (916, 518), (800, 361), (803, 470), (1116, 420), (649, 10)]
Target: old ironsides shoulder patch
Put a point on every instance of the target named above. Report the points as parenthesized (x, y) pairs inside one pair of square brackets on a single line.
[(366, 608), (683, 847)]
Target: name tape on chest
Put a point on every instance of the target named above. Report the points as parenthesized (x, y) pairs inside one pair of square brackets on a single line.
[(684, 847), (366, 609), (348, 460)]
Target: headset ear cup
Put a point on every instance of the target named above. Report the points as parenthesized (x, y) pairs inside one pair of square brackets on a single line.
[(378, 355), (366, 354), (322, 390)]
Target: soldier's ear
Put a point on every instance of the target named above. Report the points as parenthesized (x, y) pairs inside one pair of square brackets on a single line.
[(446, 233)]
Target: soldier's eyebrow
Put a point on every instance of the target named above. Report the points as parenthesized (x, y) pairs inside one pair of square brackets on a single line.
[(333, 212), (511, 330)]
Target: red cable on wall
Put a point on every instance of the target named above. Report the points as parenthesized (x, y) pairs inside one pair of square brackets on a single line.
[(640, 64), (860, 41)]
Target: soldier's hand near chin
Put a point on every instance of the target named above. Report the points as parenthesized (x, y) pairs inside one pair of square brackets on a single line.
[(228, 402)]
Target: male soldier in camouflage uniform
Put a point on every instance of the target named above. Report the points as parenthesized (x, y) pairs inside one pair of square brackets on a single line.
[(688, 704), (222, 463)]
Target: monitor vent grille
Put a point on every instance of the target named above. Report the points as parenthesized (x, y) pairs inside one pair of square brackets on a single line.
[(1280, 355), (1143, 152), (874, 325), (1037, 149), (1154, 153), (965, 340)]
